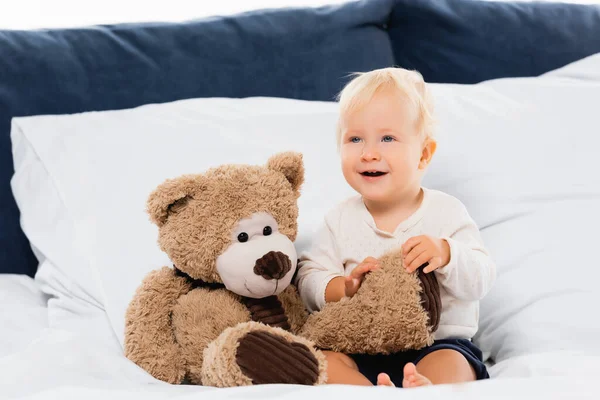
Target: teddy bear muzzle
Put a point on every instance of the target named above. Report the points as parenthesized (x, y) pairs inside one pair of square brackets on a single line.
[(260, 267), (273, 265)]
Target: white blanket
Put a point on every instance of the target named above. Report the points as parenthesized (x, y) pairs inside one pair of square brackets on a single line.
[(23, 313), (85, 361)]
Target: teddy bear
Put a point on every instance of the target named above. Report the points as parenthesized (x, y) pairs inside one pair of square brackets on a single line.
[(225, 314)]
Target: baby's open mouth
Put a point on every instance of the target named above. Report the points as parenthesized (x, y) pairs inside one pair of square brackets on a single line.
[(373, 173)]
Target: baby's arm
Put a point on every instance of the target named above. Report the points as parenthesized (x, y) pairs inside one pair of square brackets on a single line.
[(319, 266), (471, 271)]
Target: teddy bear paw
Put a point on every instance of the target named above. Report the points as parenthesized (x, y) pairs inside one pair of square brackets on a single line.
[(268, 358), (252, 353)]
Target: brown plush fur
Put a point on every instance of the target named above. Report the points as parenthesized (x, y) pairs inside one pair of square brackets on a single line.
[(199, 318), (295, 310), (158, 353), (384, 316), (172, 329)]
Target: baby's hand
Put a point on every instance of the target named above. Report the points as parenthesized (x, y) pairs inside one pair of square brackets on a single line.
[(419, 250), (354, 280)]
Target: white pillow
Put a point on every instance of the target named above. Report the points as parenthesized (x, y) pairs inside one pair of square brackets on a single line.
[(584, 69), (522, 155), (518, 152), (102, 166)]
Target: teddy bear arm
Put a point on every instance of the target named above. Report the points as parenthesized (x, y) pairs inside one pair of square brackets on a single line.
[(294, 308), (149, 338), (386, 315), (199, 318)]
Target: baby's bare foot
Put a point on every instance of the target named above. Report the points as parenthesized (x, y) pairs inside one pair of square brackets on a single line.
[(384, 380), (412, 378)]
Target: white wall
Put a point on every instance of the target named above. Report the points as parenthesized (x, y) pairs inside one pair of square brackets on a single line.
[(33, 14)]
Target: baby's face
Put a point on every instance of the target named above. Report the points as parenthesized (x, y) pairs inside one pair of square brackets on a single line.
[(381, 149)]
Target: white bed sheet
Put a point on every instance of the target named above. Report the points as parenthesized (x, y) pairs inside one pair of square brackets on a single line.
[(84, 360), (23, 312), (540, 388), (64, 365)]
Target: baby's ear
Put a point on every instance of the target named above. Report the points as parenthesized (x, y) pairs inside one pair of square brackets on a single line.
[(427, 153), (290, 164), (171, 196)]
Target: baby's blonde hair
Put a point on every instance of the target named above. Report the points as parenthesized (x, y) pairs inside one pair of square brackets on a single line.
[(361, 89)]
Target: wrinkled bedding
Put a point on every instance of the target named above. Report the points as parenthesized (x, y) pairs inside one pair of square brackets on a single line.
[(84, 359)]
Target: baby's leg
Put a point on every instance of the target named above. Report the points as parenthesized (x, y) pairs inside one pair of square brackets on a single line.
[(441, 366), (341, 369)]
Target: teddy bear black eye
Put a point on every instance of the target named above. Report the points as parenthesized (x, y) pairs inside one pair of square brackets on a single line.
[(243, 237), (267, 231)]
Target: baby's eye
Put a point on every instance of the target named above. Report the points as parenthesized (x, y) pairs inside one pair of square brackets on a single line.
[(354, 139), (387, 138)]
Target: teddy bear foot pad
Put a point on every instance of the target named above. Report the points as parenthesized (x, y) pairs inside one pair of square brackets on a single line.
[(267, 358)]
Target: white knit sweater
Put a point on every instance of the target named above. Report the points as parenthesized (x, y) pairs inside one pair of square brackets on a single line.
[(349, 235)]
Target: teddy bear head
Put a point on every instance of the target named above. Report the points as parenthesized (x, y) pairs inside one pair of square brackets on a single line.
[(233, 224)]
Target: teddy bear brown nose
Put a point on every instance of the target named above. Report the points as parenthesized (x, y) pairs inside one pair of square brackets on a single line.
[(273, 265)]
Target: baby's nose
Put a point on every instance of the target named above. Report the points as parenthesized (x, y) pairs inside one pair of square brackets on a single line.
[(370, 154)]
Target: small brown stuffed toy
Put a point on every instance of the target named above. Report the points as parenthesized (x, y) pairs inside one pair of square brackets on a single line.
[(392, 311), (225, 313)]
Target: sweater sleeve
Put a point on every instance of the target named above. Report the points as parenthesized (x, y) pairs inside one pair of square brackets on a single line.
[(471, 271), (317, 267)]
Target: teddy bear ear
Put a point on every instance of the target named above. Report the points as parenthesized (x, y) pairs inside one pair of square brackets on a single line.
[(290, 164), (171, 195)]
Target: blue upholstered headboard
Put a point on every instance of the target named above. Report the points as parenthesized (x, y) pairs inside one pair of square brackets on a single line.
[(296, 53)]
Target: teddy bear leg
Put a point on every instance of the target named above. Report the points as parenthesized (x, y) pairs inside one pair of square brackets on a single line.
[(252, 353)]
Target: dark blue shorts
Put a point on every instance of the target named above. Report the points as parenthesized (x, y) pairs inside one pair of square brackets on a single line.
[(393, 364)]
